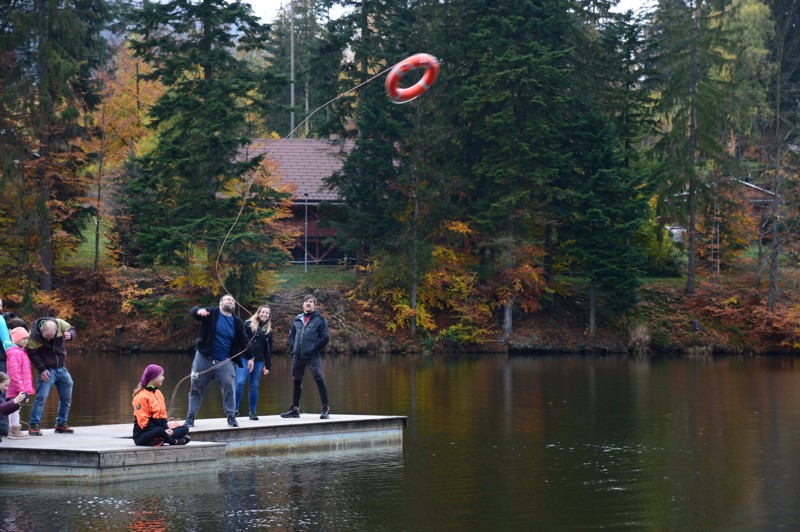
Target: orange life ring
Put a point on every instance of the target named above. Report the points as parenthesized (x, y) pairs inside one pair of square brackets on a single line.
[(426, 61)]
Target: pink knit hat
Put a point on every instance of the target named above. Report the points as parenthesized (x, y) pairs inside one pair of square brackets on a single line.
[(18, 333), (151, 372)]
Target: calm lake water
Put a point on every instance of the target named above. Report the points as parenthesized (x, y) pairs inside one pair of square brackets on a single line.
[(493, 443)]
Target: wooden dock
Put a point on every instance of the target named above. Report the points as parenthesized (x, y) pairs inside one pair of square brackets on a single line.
[(106, 453)]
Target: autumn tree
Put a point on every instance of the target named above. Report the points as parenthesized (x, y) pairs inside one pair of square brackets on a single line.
[(120, 122), (49, 52)]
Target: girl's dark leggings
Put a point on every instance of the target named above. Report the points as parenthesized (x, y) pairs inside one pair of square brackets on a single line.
[(147, 437)]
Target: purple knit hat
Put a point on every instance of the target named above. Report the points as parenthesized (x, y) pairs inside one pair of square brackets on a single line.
[(151, 372)]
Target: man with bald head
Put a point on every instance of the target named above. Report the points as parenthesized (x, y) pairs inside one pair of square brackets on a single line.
[(48, 353)]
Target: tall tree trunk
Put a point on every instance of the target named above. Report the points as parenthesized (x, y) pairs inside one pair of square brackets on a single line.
[(100, 160), (414, 257), (548, 264), (760, 262), (45, 243), (508, 309), (592, 307), (690, 288), (774, 255)]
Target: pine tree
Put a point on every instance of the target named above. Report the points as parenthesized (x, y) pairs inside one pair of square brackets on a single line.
[(186, 192), (687, 44), (369, 179), (515, 93), (779, 126), (606, 205)]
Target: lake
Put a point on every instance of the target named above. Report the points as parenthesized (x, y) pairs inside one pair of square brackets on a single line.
[(493, 442)]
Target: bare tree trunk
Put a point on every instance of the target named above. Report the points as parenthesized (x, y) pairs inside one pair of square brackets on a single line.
[(414, 258), (592, 308), (548, 264), (690, 288), (46, 244), (508, 309), (760, 261), (100, 160)]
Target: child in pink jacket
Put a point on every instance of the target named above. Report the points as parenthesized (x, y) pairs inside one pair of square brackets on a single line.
[(19, 371)]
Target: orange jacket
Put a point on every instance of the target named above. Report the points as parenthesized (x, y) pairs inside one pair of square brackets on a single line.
[(150, 408)]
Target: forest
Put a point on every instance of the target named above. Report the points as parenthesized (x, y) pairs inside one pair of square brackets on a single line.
[(643, 164)]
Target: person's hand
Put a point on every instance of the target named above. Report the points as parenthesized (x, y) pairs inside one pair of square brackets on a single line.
[(266, 371), (202, 313), (250, 365), (45, 375), (67, 335), (169, 431), (21, 398)]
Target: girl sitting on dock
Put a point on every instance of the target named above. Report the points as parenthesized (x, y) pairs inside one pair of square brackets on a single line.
[(151, 426)]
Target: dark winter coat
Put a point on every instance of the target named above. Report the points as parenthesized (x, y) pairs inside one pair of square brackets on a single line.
[(48, 354), (306, 340), (261, 344), (208, 332)]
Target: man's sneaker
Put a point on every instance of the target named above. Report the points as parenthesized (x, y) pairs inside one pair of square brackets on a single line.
[(183, 441), (253, 416), (34, 430), (326, 412), (293, 412), (189, 422), (63, 429), (232, 422)]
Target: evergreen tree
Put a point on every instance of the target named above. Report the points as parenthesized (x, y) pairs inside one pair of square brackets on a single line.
[(607, 203), (187, 191), (369, 178), (687, 44), (515, 91), (779, 127)]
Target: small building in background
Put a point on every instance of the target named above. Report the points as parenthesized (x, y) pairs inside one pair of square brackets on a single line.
[(305, 164)]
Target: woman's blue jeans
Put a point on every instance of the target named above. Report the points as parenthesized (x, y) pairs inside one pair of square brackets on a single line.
[(243, 376)]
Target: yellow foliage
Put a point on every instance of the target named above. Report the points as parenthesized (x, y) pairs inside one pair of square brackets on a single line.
[(55, 304)]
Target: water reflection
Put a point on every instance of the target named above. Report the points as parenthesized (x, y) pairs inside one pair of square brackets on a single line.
[(556, 442)]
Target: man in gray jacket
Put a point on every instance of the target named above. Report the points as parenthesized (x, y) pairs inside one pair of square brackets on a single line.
[(307, 337)]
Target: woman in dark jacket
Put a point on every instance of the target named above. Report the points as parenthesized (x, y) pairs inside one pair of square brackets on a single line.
[(259, 327)]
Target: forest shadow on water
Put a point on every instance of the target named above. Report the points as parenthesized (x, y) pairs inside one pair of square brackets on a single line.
[(555, 442)]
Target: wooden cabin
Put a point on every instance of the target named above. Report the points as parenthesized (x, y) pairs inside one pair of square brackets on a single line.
[(305, 163)]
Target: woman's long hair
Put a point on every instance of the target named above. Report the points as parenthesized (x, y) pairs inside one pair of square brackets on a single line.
[(267, 327)]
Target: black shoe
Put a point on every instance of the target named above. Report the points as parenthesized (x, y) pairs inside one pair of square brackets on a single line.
[(326, 412), (232, 422), (183, 441), (189, 422), (293, 412), (253, 416)]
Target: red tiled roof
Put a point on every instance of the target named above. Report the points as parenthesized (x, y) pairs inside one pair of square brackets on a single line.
[(305, 163)]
